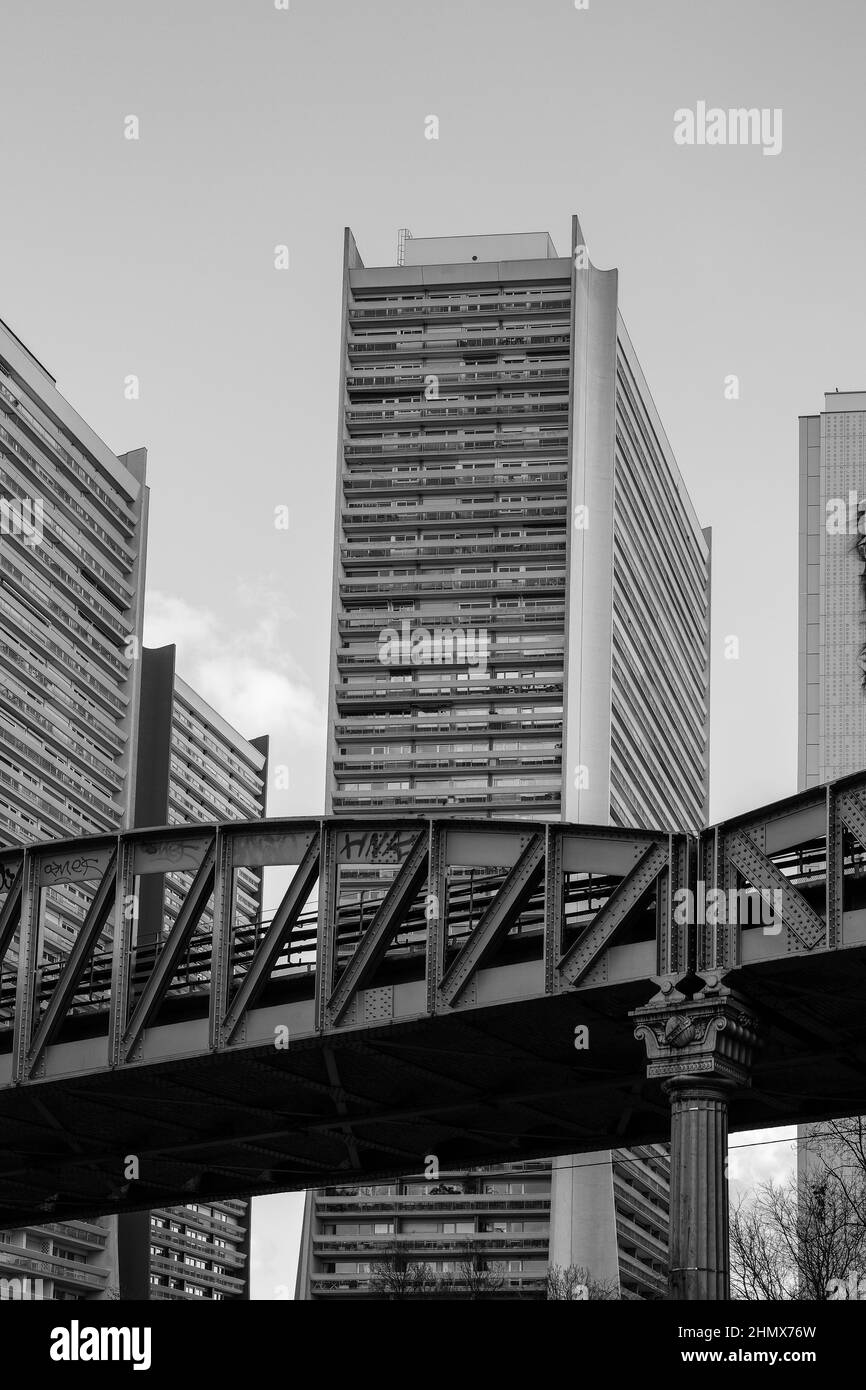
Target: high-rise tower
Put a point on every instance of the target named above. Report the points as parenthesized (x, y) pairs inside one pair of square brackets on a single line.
[(832, 623), (73, 519), (192, 766), (521, 586), (832, 643), (520, 628)]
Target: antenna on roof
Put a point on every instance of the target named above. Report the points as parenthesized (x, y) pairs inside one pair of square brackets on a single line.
[(403, 236)]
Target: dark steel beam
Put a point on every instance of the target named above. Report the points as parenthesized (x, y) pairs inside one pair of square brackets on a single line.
[(381, 931), (762, 874), (71, 972), (496, 920), (11, 913), (272, 944), (618, 909), (169, 958)]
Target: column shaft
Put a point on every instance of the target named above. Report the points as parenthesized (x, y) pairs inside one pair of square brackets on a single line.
[(699, 1189)]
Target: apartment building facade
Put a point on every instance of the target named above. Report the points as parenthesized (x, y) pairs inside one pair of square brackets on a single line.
[(520, 629), (193, 766), (521, 587), (832, 613), (493, 1232), (73, 521), (831, 624)]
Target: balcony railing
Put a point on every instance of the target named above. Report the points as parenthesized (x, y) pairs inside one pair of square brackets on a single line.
[(373, 514), (351, 587), (535, 474), (460, 306), (434, 410), (366, 728), (445, 443), (396, 344), (358, 552), (412, 376), (436, 1244)]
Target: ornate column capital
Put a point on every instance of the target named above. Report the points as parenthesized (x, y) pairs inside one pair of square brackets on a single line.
[(711, 1036)]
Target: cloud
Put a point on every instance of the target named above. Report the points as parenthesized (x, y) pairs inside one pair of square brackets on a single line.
[(244, 667), (762, 1155)]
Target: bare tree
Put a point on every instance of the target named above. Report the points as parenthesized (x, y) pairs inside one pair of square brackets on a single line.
[(475, 1278), (398, 1277), (792, 1240), (838, 1147), (574, 1282)]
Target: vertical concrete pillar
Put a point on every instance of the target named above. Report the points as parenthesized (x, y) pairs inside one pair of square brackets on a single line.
[(699, 1188), (700, 1048)]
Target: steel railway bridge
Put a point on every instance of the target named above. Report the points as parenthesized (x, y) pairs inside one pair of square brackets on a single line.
[(473, 989)]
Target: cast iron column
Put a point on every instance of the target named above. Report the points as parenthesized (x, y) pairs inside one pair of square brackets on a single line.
[(701, 1049)]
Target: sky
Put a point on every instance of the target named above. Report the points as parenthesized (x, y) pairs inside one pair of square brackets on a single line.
[(261, 127)]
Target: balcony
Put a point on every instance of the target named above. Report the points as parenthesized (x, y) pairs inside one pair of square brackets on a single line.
[(325, 1285), (478, 800), (357, 625), (457, 443), (497, 654), (359, 552), (494, 688), (176, 1269), (552, 304), (411, 377), (400, 1205), (374, 517), (433, 1246), (201, 1249), (541, 339), (14, 1261), (455, 763), (364, 727), (430, 413), (549, 581), (75, 1233), (394, 479), (644, 1276)]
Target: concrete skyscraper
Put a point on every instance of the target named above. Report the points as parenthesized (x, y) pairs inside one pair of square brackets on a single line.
[(73, 520), (832, 627), (99, 734), (832, 618), (192, 766), (520, 629), (503, 476)]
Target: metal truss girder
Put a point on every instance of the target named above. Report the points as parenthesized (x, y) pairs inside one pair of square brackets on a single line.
[(167, 961), (711, 869), (435, 914), (121, 946), (272, 943), (495, 920), (11, 913), (675, 939), (380, 932), (582, 955), (28, 957), (763, 875), (326, 928), (853, 813), (834, 896), (221, 935), (554, 898), (70, 975)]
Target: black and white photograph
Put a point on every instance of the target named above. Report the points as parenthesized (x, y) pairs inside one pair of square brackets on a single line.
[(432, 676)]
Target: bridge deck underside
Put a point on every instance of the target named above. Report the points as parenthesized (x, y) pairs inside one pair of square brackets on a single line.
[(471, 1086)]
